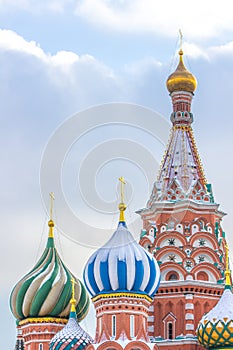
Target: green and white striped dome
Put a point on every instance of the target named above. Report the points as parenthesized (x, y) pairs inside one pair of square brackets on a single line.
[(46, 290)]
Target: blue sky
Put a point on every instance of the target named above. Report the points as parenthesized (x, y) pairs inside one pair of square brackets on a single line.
[(60, 57)]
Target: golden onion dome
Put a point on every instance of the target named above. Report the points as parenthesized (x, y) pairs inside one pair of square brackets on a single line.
[(181, 79)]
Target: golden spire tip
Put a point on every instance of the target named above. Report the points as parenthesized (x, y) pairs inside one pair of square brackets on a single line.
[(227, 271), (122, 205), (51, 223), (181, 43), (73, 300), (181, 38)]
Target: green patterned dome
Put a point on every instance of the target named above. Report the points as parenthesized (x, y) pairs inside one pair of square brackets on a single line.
[(46, 290), (215, 330)]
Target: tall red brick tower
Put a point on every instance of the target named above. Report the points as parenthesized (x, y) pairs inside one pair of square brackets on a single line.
[(182, 228)]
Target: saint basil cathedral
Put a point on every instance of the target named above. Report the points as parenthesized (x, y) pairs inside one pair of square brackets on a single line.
[(171, 290)]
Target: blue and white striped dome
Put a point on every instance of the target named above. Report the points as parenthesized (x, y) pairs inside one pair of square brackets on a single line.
[(122, 265)]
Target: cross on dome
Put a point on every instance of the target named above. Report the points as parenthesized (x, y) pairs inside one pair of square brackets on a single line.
[(122, 206), (51, 222)]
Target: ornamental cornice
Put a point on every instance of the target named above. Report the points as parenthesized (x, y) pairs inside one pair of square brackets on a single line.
[(43, 320), (186, 204), (191, 283), (122, 295)]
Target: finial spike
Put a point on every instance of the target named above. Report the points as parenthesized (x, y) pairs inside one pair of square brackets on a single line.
[(122, 181), (51, 223), (122, 205), (181, 39), (51, 194), (73, 300), (227, 271)]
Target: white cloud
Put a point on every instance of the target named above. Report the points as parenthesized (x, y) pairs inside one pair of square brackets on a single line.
[(226, 49), (208, 53), (204, 19), (10, 40), (64, 62), (57, 6), (201, 21)]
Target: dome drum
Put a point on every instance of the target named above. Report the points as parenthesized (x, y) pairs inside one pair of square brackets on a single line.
[(181, 117)]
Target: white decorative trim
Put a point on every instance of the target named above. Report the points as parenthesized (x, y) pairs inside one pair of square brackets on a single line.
[(196, 283), (132, 326), (36, 341), (189, 306), (189, 327), (150, 318), (151, 328), (135, 312), (189, 316), (189, 296)]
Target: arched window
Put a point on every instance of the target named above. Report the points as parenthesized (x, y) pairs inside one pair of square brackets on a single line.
[(163, 228), (202, 276), (40, 346), (114, 325), (132, 326), (169, 323), (170, 330), (195, 228), (100, 325), (172, 276)]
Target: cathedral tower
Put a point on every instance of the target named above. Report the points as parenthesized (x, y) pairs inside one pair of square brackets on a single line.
[(122, 278), (182, 228), (40, 300)]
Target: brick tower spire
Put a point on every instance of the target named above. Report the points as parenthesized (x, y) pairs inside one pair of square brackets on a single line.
[(182, 228)]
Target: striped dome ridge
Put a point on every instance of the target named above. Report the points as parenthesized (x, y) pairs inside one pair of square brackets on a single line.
[(46, 290), (122, 265), (71, 336)]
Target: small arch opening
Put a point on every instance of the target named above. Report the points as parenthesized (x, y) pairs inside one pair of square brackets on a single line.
[(170, 330)]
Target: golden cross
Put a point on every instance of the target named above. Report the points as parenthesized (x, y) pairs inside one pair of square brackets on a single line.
[(73, 283), (181, 39), (51, 204), (227, 257), (122, 181)]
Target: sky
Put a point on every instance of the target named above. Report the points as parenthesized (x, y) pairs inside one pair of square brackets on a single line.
[(62, 61)]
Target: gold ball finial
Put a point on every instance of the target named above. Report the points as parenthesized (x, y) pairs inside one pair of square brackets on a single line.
[(51, 223), (122, 206)]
